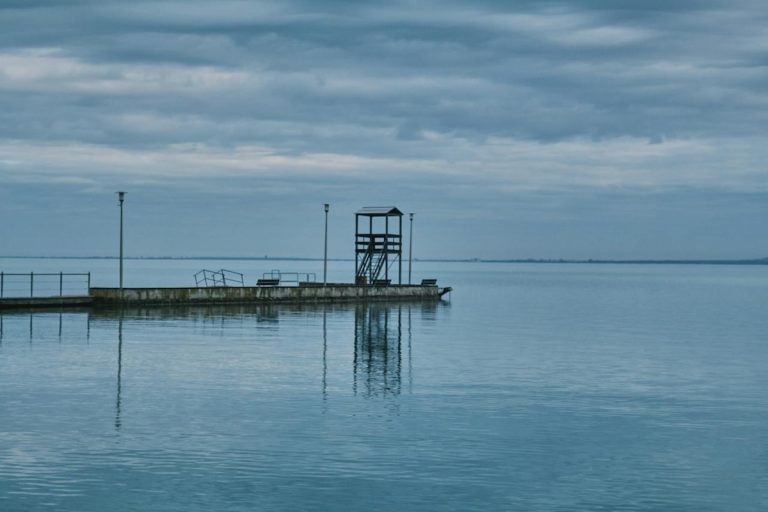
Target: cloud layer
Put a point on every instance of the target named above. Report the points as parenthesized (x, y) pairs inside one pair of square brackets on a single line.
[(440, 99)]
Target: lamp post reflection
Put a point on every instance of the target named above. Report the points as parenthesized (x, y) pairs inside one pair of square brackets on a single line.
[(325, 355), (119, 368), (410, 359)]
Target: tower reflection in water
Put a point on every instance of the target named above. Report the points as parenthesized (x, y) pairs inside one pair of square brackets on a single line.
[(378, 346)]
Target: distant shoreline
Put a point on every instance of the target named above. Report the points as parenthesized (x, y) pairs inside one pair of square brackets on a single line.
[(760, 261)]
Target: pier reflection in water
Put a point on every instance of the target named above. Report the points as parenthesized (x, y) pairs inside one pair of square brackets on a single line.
[(378, 334), (376, 338), (104, 397)]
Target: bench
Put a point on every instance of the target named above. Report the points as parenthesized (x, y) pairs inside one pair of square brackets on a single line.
[(381, 282), (267, 282), (429, 282)]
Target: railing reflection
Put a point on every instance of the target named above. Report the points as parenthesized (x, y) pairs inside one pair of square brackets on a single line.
[(31, 325)]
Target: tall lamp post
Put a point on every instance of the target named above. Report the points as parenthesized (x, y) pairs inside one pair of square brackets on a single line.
[(325, 253), (121, 198), (410, 249)]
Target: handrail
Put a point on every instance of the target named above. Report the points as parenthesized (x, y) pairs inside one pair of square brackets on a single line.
[(222, 277), (50, 289), (367, 254), (293, 277)]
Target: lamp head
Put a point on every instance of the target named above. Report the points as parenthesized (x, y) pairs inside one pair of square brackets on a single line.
[(327, 206), (121, 196)]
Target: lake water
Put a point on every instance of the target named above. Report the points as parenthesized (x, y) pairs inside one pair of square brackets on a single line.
[(536, 388)]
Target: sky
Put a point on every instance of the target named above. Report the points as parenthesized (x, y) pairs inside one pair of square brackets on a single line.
[(525, 129)]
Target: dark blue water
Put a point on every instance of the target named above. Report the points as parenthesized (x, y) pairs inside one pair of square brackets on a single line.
[(538, 387)]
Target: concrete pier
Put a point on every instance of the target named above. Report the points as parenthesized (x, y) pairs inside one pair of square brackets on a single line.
[(45, 302), (264, 294)]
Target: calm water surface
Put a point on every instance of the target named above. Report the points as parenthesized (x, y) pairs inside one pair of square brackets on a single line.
[(537, 387)]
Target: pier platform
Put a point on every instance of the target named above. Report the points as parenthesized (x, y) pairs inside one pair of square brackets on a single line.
[(110, 297), (107, 297)]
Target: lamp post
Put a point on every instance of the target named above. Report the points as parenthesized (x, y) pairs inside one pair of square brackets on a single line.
[(325, 253), (410, 249), (121, 198)]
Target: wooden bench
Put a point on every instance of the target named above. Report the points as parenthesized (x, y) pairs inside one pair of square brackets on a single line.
[(381, 282), (429, 282), (267, 282)]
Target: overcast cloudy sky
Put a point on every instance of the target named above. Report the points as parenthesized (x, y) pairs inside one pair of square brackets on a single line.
[(582, 128)]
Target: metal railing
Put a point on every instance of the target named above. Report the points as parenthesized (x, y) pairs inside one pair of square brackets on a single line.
[(291, 277), (221, 277), (44, 284)]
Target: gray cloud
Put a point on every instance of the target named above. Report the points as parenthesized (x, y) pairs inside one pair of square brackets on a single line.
[(567, 70), (450, 99)]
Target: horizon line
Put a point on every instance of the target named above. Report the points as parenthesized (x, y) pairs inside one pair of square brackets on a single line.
[(752, 261)]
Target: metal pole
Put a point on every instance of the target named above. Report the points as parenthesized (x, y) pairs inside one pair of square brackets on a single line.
[(2, 283), (386, 248), (325, 254), (61, 284), (372, 248), (410, 250), (121, 198), (31, 284), (400, 249)]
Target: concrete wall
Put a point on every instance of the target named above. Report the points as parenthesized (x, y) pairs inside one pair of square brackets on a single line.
[(263, 294), (44, 302)]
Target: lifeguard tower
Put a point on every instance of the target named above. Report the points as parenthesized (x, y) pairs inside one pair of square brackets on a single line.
[(378, 244)]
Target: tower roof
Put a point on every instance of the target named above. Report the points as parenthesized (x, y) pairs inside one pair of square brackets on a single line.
[(379, 211)]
